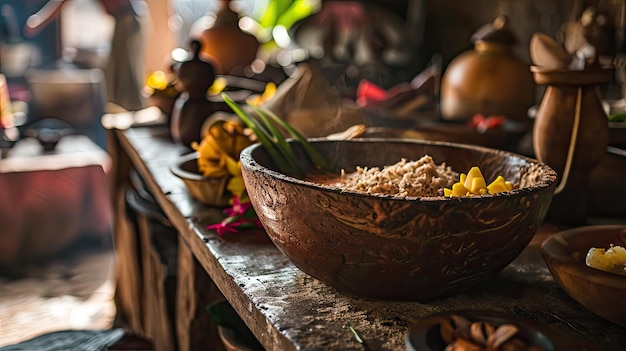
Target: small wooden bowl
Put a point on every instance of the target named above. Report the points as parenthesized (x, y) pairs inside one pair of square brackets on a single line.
[(209, 191), (600, 292)]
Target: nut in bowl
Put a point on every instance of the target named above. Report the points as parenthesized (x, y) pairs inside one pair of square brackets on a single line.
[(601, 292), (481, 330), (398, 247)]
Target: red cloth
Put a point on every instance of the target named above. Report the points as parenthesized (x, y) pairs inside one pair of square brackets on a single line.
[(48, 200)]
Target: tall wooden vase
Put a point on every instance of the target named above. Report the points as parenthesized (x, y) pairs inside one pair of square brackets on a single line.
[(571, 135)]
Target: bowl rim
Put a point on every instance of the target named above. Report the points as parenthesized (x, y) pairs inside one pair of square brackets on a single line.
[(548, 180), (553, 249), (177, 170)]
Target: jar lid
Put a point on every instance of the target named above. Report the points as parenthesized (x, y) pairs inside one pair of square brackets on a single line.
[(495, 32)]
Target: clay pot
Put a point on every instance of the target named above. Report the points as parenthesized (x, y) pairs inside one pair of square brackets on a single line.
[(399, 248), (489, 80), (229, 47), (571, 135)]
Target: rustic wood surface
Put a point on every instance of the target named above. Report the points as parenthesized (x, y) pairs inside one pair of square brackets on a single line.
[(289, 310)]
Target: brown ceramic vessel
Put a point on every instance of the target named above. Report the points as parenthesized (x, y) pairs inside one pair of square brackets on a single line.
[(395, 247), (571, 135), (600, 292)]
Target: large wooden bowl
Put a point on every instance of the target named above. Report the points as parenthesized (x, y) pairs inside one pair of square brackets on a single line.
[(600, 292), (394, 247)]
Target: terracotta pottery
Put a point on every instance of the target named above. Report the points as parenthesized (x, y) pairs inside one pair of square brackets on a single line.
[(399, 247), (489, 80), (571, 135), (600, 292), (231, 48)]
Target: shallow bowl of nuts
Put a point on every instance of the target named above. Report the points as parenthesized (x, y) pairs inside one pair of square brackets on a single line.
[(483, 330), (393, 221), (589, 263)]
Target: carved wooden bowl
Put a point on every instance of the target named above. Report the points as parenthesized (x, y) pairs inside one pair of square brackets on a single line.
[(395, 247), (600, 292)]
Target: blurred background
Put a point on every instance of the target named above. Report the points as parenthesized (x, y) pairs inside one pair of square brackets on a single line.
[(332, 64)]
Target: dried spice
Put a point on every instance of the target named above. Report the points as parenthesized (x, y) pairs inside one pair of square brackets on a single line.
[(461, 334)]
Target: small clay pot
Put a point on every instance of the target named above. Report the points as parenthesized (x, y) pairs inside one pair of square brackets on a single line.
[(489, 80)]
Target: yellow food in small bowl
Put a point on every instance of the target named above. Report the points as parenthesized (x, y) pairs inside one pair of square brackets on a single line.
[(612, 260)]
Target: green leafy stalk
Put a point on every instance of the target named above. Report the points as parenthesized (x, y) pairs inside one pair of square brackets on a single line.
[(318, 159), (281, 142), (264, 136), (275, 143), (618, 117), (356, 335)]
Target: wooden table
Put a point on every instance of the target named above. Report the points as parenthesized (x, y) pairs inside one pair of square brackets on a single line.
[(289, 310)]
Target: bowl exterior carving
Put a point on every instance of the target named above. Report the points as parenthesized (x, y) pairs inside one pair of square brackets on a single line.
[(392, 247)]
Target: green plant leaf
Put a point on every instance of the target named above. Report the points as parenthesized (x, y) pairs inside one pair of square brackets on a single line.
[(618, 117), (264, 136), (273, 140), (316, 157), (281, 143)]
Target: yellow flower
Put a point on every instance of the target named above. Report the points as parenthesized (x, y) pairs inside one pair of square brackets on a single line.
[(157, 80), (219, 152), (229, 136), (268, 93), (236, 185), (211, 159)]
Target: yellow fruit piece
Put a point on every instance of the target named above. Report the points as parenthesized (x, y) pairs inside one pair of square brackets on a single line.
[(473, 183), (499, 185), (459, 189), (612, 260), (478, 186), (475, 180)]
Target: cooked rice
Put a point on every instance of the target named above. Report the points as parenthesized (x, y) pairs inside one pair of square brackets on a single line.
[(414, 179)]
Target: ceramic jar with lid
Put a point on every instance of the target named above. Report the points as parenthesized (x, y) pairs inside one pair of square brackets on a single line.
[(488, 80)]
